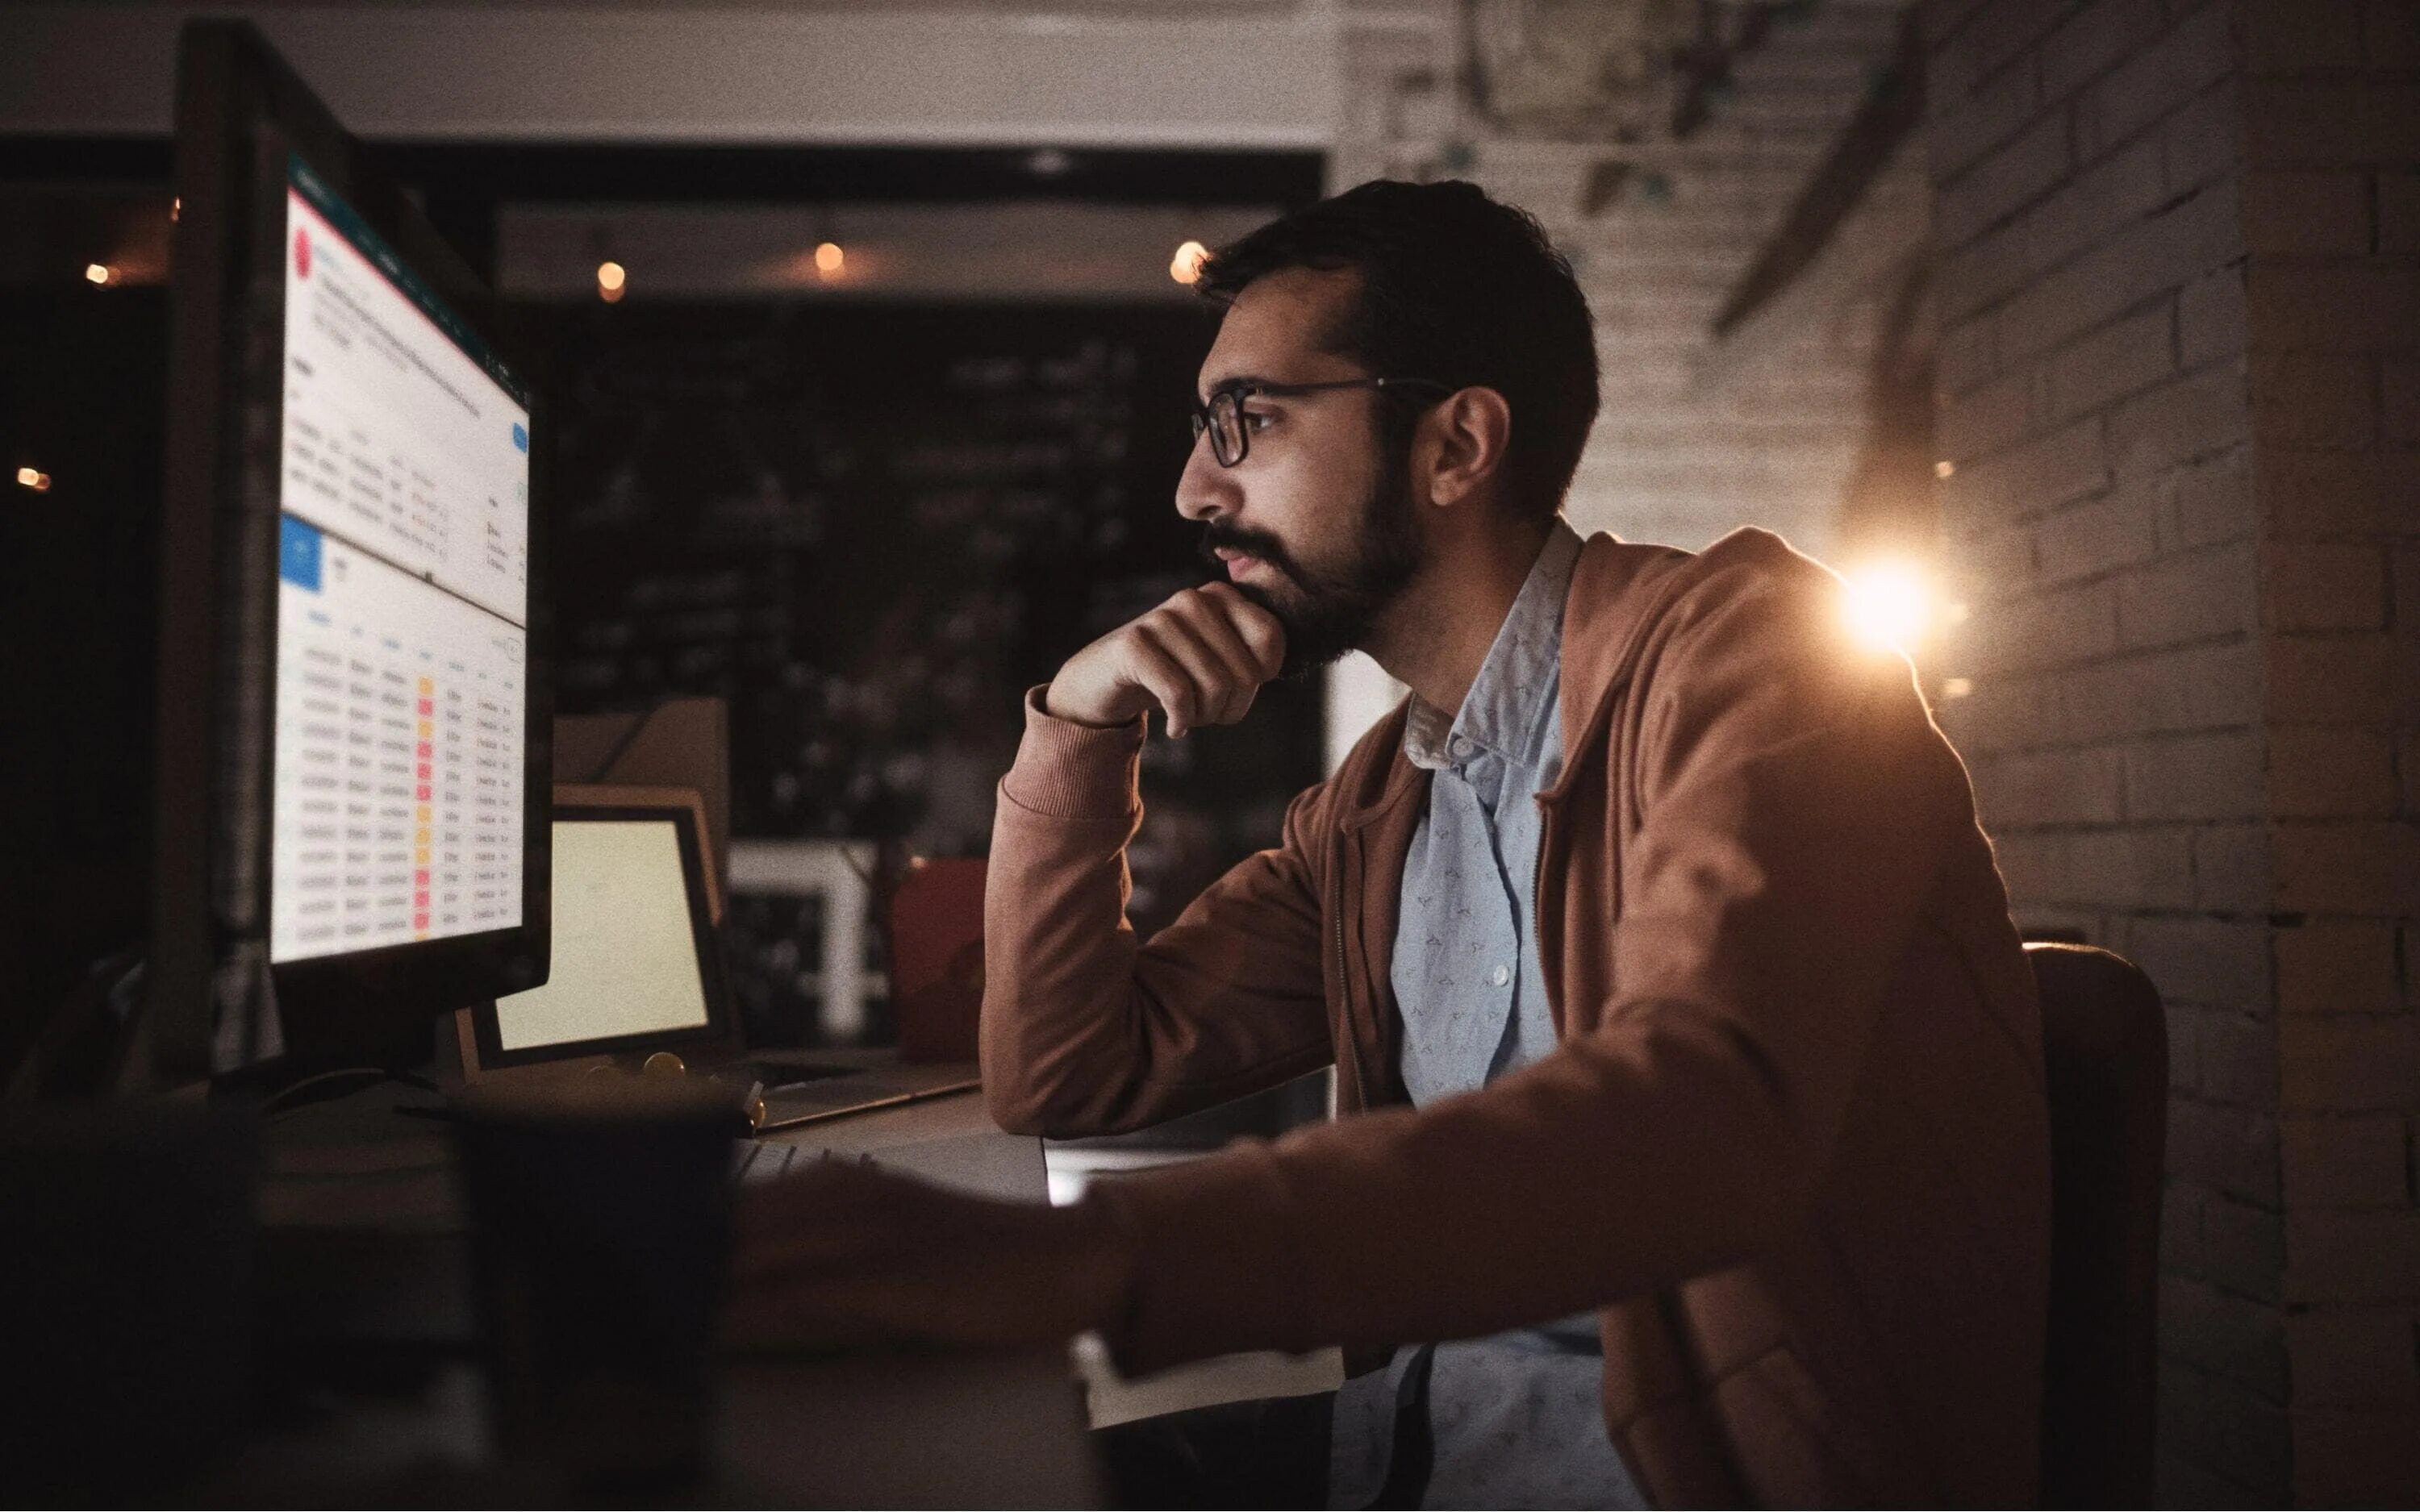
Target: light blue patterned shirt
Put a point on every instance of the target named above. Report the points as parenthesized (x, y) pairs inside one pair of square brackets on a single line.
[(1516, 1418)]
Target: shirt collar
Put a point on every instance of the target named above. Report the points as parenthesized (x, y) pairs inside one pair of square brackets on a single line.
[(1507, 708)]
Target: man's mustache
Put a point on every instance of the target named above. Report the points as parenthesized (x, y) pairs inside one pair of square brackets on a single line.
[(1218, 537)]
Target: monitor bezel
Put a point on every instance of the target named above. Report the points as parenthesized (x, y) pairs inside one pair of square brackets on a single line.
[(685, 812), (241, 114)]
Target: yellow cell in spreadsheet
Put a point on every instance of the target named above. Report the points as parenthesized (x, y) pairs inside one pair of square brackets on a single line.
[(428, 686), (427, 728), (420, 857), (420, 815)]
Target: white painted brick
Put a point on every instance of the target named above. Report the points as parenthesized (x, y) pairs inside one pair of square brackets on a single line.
[(2118, 529), (2193, 597), (2207, 777)]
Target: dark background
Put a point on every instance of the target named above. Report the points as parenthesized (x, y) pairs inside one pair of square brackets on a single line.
[(868, 526)]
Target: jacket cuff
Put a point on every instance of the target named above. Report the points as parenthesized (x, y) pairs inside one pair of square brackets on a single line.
[(1065, 770), (1214, 1268)]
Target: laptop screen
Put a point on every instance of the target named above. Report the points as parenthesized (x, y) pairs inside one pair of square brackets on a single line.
[(624, 945)]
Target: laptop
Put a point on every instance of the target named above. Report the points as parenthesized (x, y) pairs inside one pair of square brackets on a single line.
[(637, 985)]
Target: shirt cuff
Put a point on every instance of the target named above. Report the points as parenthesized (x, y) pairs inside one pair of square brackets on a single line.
[(1065, 770)]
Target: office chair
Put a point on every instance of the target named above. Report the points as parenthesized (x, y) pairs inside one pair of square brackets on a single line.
[(2105, 1063)]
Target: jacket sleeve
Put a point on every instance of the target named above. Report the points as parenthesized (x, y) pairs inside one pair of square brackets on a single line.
[(1796, 804), (1088, 1030)]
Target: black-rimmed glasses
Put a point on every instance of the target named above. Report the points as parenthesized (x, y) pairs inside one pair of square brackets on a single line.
[(1223, 418)]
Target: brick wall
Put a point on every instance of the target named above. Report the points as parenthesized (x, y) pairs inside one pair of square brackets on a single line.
[(2180, 297), (2331, 196)]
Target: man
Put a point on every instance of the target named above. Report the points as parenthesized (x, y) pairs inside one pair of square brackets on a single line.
[(1693, 1146)]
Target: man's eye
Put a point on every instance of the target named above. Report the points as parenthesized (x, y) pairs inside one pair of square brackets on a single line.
[(1255, 419)]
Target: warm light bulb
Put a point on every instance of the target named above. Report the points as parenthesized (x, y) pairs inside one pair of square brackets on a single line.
[(830, 259), (612, 280), (34, 479), (99, 274), (1185, 267), (1889, 605), (1944, 470)]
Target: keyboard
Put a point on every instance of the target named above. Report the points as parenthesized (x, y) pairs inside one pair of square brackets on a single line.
[(758, 1160)]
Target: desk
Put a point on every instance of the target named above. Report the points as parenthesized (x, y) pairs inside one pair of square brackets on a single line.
[(356, 1193)]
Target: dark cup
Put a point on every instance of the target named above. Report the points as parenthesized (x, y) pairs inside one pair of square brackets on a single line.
[(599, 1215)]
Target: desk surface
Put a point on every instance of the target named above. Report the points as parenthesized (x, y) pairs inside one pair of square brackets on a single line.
[(1005, 1429), (949, 1140)]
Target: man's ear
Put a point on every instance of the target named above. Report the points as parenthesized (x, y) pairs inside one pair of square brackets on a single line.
[(1463, 443)]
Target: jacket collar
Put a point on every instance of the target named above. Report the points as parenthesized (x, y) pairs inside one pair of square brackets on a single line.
[(1616, 588), (1507, 710)]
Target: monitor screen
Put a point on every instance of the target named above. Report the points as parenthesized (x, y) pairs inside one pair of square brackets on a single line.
[(402, 604), (354, 704), (626, 940)]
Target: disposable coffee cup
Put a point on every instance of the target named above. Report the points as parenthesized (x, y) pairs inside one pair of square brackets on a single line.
[(600, 1235)]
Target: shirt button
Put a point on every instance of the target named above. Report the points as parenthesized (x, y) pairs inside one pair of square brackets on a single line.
[(1500, 976)]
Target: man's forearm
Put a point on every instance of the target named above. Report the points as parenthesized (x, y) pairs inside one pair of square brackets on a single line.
[(1054, 902), (1086, 1029)]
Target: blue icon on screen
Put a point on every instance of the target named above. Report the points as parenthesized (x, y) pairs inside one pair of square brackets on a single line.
[(521, 437), (298, 553)]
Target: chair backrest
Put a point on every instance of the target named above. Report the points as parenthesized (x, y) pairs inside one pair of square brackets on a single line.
[(2105, 1061)]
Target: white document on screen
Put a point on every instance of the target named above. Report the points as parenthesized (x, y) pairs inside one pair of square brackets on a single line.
[(403, 605)]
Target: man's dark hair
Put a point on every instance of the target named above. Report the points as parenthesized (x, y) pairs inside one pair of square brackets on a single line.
[(1454, 288)]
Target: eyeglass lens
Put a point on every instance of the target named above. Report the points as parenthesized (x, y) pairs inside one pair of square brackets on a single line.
[(1224, 417)]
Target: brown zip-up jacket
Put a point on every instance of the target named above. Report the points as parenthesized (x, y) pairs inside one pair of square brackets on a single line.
[(1792, 1140)]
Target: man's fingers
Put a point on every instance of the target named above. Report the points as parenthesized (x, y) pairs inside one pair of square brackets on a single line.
[(1209, 618), (1164, 677), (834, 1204), (1256, 627), (805, 1238), (1186, 633)]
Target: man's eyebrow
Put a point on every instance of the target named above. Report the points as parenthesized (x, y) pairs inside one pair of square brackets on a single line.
[(1242, 380)]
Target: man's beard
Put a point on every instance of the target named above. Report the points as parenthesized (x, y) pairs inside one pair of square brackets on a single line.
[(1329, 612)]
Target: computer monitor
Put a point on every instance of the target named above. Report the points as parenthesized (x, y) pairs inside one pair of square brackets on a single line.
[(354, 705)]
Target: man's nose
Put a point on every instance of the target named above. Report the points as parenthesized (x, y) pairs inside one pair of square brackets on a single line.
[(1206, 490)]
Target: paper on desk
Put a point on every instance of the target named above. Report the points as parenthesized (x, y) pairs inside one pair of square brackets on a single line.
[(1112, 1399)]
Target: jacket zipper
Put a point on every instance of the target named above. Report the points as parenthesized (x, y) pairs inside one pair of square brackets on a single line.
[(1344, 998), (1536, 914)]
